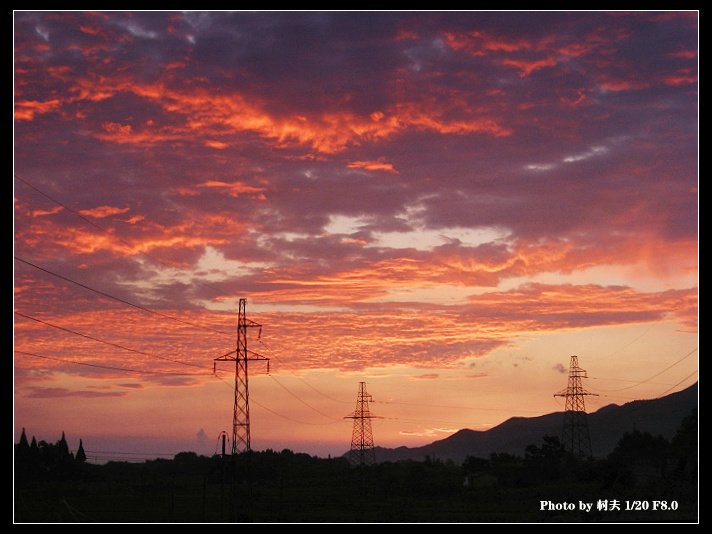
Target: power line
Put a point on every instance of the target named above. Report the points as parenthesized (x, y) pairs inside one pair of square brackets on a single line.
[(126, 243), (272, 355), (142, 308), (638, 383), (92, 223), (297, 376), (74, 362), (429, 421), (301, 400), (455, 407), (112, 368), (64, 360), (102, 341), (292, 419), (631, 342), (129, 245), (126, 456), (680, 382), (123, 369)]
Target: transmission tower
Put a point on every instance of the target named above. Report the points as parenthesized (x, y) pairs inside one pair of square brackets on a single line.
[(362, 450), (575, 436), (241, 356)]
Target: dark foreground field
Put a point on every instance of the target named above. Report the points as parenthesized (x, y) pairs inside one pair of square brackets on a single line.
[(284, 487), (646, 479)]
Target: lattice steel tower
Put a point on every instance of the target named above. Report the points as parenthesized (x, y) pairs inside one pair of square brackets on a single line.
[(362, 450), (241, 356), (575, 436)]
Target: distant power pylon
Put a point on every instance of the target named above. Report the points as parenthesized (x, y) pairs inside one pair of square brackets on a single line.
[(575, 436), (241, 356), (362, 449)]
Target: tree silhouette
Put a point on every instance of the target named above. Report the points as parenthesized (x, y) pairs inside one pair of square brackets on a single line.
[(24, 444), (23, 447), (637, 455), (544, 463), (62, 449), (685, 448), (81, 455), (47, 461)]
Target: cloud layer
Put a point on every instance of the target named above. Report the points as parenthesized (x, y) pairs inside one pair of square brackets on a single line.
[(388, 189)]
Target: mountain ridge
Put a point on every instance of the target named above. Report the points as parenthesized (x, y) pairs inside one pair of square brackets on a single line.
[(607, 425)]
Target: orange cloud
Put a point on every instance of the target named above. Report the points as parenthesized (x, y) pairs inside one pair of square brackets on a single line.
[(216, 144), (379, 165), (213, 230), (26, 110), (236, 188), (682, 78), (103, 212), (471, 268), (528, 66), (41, 213), (215, 117), (552, 307), (622, 85), (389, 334), (53, 393), (477, 43), (480, 43)]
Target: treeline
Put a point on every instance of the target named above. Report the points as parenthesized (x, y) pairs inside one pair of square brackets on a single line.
[(47, 461), (272, 486), (639, 459)]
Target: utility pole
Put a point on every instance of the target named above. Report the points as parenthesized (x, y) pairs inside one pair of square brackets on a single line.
[(241, 356), (362, 450), (575, 437)]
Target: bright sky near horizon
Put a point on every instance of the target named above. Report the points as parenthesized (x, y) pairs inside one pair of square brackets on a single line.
[(444, 205)]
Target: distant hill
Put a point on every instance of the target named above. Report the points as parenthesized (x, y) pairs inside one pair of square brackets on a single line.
[(607, 425)]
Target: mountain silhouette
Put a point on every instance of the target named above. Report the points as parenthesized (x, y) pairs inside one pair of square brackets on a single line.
[(607, 425)]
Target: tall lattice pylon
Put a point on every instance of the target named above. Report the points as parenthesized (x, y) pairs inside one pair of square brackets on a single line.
[(575, 436), (362, 449), (241, 356)]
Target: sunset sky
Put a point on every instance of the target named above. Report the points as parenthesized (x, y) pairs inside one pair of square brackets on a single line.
[(444, 205)]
